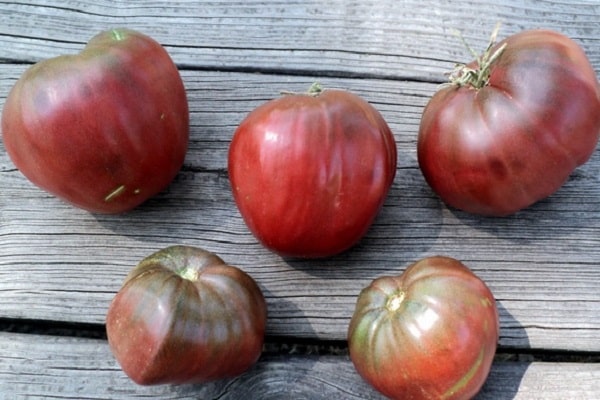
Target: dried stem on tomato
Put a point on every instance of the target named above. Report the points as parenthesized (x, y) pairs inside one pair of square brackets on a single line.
[(478, 77)]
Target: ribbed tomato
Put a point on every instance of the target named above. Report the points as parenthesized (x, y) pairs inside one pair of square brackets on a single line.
[(430, 333), (309, 172), (104, 129), (512, 126), (183, 315)]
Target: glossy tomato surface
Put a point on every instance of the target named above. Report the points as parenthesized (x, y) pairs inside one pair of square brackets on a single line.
[(183, 315), (430, 333), (499, 148), (309, 172), (104, 129)]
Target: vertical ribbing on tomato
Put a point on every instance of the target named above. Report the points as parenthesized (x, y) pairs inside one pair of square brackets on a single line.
[(309, 172), (429, 333), (183, 315)]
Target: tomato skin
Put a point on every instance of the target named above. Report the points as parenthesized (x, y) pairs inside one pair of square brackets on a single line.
[(430, 333), (184, 316), (310, 173), (501, 148), (104, 129)]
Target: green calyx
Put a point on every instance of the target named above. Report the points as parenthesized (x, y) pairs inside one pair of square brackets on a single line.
[(314, 90), (117, 35), (478, 77)]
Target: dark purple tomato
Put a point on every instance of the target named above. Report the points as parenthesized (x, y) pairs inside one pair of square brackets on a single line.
[(309, 172), (512, 126), (104, 129), (183, 315)]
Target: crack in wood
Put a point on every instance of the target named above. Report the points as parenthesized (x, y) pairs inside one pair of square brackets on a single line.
[(283, 345)]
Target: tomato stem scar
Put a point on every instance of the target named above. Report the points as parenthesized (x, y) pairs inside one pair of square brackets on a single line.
[(394, 302), (191, 274)]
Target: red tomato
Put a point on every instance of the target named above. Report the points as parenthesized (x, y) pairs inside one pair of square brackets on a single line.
[(430, 333), (309, 172), (104, 129), (183, 315), (513, 126)]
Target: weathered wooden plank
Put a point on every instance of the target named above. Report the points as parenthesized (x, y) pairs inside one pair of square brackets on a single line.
[(59, 263), (220, 100), (410, 39), (34, 366)]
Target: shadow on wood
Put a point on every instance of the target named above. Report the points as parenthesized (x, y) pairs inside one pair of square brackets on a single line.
[(562, 215), (503, 383), (404, 231)]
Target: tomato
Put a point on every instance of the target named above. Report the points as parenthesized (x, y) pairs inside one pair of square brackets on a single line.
[(104, 129), (184, 315), (512, 126), (430, 333), (309, 172)]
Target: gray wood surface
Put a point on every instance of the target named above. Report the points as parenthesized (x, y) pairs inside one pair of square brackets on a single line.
[(541, 263), (76, 368), (64, 265)]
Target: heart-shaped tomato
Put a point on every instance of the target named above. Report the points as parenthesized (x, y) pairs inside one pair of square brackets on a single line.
[(512, 126), (104, 129)]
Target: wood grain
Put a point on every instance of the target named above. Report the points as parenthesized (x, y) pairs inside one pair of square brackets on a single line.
[(61, 264), (407, 40), (77, 368)]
